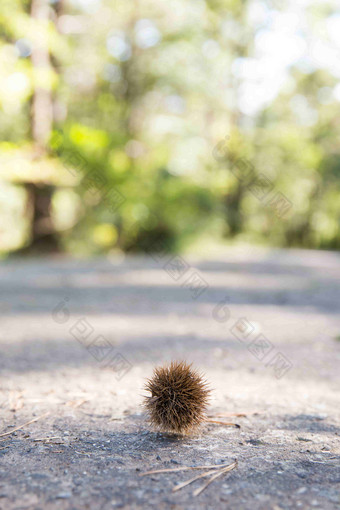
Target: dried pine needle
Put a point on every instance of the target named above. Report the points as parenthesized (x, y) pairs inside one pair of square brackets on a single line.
[(226, 424), (215, 470), (184, 484), (221, 472), (183, 468), (238, 415), (23, 425)]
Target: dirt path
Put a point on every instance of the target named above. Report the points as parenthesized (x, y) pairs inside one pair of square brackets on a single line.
[(78, 339)]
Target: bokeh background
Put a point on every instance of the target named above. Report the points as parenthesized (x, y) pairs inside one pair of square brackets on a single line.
[(128, 125)]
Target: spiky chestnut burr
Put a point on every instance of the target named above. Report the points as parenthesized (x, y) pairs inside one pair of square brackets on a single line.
[(179, 397)]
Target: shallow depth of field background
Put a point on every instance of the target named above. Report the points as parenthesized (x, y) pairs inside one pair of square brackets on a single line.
[(129, 123)]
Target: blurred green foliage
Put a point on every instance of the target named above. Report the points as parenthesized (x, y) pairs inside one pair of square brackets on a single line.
[(163, 104)]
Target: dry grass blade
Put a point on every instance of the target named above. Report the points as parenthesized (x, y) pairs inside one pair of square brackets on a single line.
[(198, 491), (184, 484), (225, 423), (24, 425), (183, 468)]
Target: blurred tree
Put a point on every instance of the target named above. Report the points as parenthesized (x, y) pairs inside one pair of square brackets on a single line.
[(102, 98), (39, 197)]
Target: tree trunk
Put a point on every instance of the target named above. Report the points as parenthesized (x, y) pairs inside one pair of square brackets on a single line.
[(42, 105), (39, 205), (39, 198)]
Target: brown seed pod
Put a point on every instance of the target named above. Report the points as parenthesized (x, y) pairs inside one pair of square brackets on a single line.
[(179, 397)]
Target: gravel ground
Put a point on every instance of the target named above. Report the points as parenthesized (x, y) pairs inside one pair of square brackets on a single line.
[(78, 338)]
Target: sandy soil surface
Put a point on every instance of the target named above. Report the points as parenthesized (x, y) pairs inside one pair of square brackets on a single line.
[(78, 339)]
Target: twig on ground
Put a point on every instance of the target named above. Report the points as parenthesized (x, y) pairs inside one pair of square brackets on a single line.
[(47, 438), (24, 425), (76, 403)]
